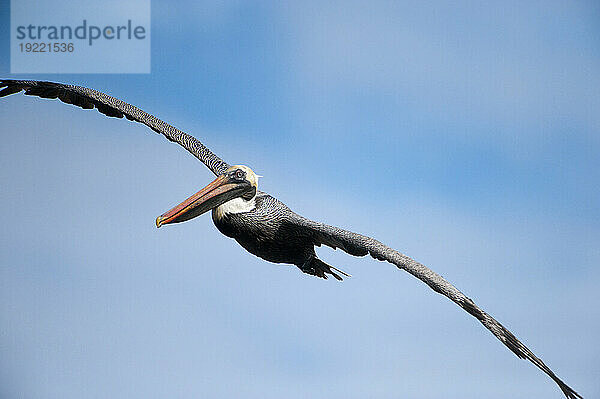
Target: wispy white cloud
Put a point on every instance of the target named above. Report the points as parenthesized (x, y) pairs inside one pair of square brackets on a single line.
[(514, 73)]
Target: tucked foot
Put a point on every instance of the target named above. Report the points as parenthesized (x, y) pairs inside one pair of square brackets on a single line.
[(317, 267)]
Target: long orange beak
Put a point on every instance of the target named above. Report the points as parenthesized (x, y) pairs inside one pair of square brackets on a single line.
[(221, 190)]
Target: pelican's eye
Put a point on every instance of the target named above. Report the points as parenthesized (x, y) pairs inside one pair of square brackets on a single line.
[(239, 174)]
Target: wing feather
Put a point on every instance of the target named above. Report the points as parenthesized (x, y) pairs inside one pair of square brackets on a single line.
[(88, 99), (360, 245)]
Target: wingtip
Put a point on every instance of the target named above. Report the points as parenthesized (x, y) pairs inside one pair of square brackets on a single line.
[(569, 392), (8, 89)]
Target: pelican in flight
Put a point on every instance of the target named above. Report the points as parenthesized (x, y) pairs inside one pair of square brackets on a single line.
[(263, 225)]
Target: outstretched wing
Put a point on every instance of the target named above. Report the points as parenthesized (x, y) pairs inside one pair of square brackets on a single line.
[(359, 245), (110, 106)]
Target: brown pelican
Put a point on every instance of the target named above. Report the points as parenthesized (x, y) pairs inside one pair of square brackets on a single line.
[(263, 225)]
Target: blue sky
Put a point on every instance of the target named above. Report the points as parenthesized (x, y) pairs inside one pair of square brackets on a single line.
[(467, 138)]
